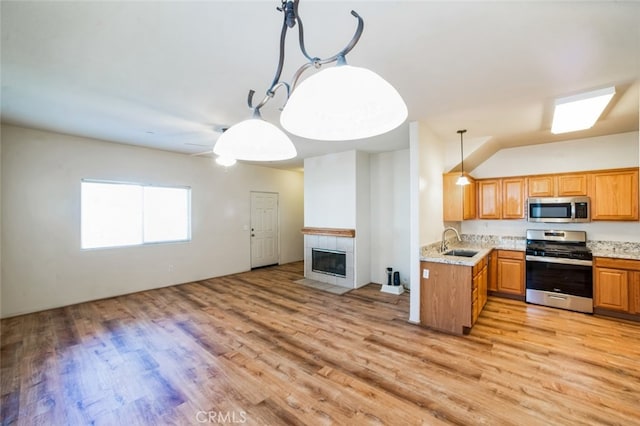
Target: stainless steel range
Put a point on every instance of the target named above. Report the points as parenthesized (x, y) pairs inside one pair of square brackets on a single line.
[(559, 270)]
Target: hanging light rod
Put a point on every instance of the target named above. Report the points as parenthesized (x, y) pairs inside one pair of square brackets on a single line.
[(339, 103), (462, 180)]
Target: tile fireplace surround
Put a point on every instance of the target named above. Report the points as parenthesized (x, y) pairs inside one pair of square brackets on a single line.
[(330, 239)]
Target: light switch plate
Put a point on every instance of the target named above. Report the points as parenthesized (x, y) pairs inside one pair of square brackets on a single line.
[(425, 273)]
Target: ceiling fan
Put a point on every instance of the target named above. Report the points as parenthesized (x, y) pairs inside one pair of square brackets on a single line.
[(221, 160), (217, 130)]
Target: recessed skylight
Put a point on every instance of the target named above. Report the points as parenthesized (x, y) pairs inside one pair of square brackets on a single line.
[(581, 111)]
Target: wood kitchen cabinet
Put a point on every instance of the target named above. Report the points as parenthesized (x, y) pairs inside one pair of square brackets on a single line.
[(510, 272), (612, 289), (489, 196), (459, 201), (514, 198), (501, 198), (560, 185), (617, 285), (614, 195), (479, 288), (452, 296), (542, 186), (572, 185), (492, 272)]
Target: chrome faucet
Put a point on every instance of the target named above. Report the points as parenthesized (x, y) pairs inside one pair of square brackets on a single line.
[(443, 245)]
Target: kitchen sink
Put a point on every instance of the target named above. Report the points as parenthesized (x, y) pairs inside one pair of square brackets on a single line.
[(461, 253)]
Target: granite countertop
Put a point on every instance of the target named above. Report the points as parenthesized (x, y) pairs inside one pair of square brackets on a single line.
[(484, 244), (615, 249), (481, 243), (438, 257), (616, 253)]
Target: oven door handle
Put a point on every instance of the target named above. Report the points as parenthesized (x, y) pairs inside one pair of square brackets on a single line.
[(560, 260)]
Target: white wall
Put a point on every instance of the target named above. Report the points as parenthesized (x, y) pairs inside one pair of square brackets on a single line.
[(42, 263), (338, 195), (363, 220), (0, 226), (432, 164), (390, 230), (372, 193), (604, 152), (427, 164), (330, 191)]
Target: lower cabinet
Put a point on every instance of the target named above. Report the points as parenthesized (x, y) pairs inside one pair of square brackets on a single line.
[(452, 296), (492, 267), (510, 270), (617, 285), (479, 285)]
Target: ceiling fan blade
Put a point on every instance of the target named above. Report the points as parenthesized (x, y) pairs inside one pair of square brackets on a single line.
[(198, 154)]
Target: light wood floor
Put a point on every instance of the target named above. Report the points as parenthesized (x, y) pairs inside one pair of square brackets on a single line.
[(259, 349)]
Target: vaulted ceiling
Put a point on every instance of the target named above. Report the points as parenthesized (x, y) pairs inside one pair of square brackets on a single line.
[(168, 74)]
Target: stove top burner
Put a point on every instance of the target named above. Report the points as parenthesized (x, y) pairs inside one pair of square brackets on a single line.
[(561, 249)]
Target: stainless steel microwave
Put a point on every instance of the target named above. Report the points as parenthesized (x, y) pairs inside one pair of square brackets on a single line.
[(559, 209)]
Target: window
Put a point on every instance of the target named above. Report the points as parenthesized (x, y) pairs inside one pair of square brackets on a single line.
[(120, 214)]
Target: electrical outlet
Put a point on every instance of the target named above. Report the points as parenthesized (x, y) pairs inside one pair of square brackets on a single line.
[(425, 273)]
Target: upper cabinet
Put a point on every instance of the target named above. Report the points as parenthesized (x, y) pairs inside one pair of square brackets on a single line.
[(561, 185), (502, 198), (542, 186), (489, 199), (614, 195), (574, 185), (459, 201), (514, 198)]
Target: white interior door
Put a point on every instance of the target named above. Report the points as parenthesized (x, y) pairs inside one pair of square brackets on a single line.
[(264, 229)]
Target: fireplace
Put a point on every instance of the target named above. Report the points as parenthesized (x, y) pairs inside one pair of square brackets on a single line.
[(331, 262), (329, 255)]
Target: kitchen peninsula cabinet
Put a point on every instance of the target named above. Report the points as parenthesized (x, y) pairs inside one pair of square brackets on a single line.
[(510, 272), (614, 195), (459, 202), (452, 296), (479, 287), (617, 285)]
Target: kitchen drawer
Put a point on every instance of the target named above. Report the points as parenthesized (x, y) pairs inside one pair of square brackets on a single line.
[(475, 312), (609, 262), (511, 254), (478, 266)]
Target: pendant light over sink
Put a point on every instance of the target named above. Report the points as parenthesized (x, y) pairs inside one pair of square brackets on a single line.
[(462, 180), (337, 104)]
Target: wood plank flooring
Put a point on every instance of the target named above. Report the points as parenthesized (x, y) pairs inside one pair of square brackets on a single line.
[(256, 348)]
